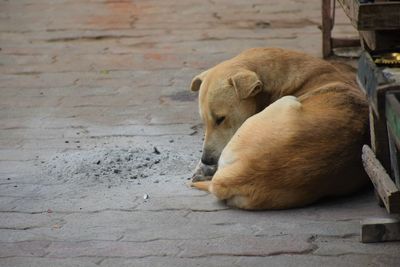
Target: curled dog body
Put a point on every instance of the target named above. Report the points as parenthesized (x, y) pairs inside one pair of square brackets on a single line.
[(285, 129)]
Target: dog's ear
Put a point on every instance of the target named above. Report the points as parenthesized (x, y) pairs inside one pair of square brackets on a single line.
[(246, 84), (196, 82)]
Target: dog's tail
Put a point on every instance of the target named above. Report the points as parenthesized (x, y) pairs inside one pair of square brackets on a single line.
[(204, 185)]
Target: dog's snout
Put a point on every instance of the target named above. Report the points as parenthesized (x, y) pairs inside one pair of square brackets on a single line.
[(208, 160)]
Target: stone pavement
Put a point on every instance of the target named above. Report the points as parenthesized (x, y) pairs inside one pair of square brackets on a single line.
[(99, 133)]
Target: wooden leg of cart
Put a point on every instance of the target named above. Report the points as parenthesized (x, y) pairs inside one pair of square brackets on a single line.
[(328, 22), (327, 25), (381, 229)]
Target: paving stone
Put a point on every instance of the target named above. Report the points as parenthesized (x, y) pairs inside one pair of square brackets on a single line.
[(211, 261), (283, 260), (245, 246), (26, 221), (113, 249), (24, 249), (49, 262), (333, 246), (310, 260)]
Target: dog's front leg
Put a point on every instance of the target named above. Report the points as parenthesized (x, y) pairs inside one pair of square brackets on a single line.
[(203, 172)]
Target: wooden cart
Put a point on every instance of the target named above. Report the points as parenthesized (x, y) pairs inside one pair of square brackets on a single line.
[(378, 24)]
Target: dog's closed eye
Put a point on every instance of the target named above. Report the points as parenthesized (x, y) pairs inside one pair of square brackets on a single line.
[(219, 120)]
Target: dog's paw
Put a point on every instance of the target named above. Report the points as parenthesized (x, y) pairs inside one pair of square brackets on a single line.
[(200, 178), (203, 172)]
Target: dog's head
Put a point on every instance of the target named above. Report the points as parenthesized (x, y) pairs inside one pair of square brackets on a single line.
[(227, 97)]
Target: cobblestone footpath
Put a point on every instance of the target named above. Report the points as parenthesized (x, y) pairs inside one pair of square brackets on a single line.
[(99, 133)]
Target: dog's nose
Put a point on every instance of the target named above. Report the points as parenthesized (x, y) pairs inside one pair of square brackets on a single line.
[(208, 160)]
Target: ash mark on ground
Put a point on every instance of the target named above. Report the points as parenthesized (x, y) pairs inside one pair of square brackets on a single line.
[(115, 166)]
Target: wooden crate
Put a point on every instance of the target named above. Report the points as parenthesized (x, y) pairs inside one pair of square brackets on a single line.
[(378, 23), (371, 80), (382, 88), (393, 125), (380, 40), (379, 28), (380, 15)]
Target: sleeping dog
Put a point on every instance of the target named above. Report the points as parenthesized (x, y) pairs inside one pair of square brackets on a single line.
[(282, 128)]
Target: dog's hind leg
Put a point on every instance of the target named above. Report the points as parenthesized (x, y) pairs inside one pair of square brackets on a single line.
[(221, 191), (234, 201), (203, 185)]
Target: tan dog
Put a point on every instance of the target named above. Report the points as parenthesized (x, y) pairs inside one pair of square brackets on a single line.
[(304, 142)]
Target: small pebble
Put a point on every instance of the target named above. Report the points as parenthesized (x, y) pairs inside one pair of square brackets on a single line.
[(156, 151), (145, 196)]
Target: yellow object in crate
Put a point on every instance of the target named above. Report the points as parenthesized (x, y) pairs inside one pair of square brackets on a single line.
[(388, 59)]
